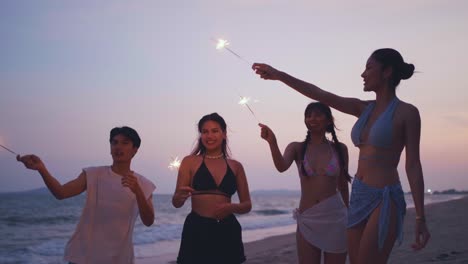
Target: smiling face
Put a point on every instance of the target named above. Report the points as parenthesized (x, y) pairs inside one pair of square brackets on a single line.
[(316, 121), (373, 76), (212, 136), (122, 149)]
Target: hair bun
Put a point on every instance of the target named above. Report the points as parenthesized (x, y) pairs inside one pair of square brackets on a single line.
[(406, 70)]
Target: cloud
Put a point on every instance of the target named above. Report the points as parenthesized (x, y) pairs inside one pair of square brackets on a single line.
[(457, 119)]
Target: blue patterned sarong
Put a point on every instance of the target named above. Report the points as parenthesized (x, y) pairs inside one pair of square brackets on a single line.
[(364, 200)]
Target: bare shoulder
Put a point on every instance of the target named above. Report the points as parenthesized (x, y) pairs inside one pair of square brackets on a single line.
[(191, 161), (342, 147), (408, 107), (235, 165), (409, 111), (191, 158), (296, 144)]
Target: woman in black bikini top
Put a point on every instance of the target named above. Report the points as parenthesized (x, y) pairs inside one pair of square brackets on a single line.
[(204, 183), (211, 232)]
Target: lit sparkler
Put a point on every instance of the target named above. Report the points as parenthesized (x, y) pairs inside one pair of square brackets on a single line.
[(222, 44), (245, 101), (175, 163)]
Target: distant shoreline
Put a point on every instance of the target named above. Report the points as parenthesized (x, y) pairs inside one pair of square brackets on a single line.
[(258, 191)]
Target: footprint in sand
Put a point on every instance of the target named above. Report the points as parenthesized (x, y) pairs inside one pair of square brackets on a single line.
[(447, 256)]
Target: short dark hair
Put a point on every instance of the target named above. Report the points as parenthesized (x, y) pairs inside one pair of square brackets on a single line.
[(127, 132)]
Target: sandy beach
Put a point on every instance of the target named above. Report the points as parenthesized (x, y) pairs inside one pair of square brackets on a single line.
[(447, 223)]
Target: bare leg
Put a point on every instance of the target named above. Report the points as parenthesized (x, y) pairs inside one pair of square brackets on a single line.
[(335, 258), (354, 240), (306, 252), (369, 251)]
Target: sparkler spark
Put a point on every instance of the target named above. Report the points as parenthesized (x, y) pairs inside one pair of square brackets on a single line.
[(175, 163), (244, 100), (221, 43)]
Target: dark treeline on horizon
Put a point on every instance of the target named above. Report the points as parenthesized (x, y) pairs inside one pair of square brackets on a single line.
[(449, 191)]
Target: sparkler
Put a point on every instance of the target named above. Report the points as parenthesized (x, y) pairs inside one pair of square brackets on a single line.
[(222, 44), (245, 101), (9, 150), (175, 163)]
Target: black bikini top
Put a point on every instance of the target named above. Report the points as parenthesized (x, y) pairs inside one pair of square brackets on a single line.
[(204, 183)]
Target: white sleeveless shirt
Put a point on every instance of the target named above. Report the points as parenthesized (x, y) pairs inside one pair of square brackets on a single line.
[(104, 232)]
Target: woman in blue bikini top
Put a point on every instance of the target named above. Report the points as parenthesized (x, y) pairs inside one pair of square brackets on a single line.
[(385, 127)]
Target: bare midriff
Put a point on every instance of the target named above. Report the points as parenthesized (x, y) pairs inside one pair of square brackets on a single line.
[(206, 204), (316, 189), (377, 167)]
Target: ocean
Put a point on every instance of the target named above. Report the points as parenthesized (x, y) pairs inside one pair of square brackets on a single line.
[(34, 226)]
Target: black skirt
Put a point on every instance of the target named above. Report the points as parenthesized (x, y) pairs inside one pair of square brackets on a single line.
[(209, 241)]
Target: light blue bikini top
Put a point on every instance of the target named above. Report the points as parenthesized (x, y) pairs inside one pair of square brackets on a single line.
[(332, 169), (380, 134)]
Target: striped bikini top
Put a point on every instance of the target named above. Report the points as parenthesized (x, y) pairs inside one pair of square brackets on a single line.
[(332, 169)]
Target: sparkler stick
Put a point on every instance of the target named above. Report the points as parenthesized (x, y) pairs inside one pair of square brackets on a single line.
[(9, 150), (237, 55), (222, 44)]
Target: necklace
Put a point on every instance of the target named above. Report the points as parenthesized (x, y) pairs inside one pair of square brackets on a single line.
[(215, 157)]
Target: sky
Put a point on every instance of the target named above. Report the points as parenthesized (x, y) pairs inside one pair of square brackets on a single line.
[(70, 71)]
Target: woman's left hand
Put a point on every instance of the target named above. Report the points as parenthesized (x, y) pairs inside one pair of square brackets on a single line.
[(422, 235), (223, 210), (131, 182)]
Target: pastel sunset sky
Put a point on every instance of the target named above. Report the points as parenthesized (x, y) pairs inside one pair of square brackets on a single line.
[(72, 70)]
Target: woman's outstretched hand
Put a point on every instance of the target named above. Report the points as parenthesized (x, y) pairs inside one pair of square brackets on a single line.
[(266, 71), (267, 134)]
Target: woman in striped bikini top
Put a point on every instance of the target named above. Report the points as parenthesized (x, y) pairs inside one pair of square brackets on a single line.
[(331, 169)]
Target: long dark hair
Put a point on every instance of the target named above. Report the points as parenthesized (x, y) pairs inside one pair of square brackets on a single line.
[(200, 148), (392, 58), (324, 109)]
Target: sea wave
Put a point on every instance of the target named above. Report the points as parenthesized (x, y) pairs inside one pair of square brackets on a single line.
[(46, 220), (270, 212)]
